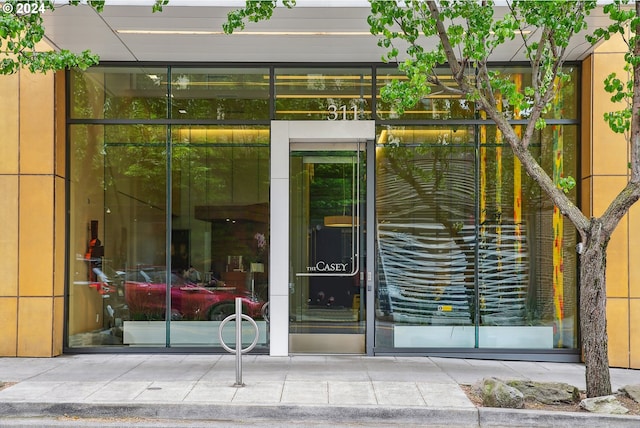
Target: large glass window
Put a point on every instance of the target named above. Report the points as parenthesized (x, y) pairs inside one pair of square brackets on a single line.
[(117, 227), (425, 232), (169, 226), (220, 213), (169, 208), (468, 241)]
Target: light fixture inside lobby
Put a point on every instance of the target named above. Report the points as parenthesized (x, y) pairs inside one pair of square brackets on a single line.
[(339, 221)]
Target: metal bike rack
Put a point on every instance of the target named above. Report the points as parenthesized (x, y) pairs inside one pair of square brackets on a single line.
[(238, 317)]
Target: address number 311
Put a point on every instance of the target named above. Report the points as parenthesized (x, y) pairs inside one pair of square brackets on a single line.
[(335, 112)]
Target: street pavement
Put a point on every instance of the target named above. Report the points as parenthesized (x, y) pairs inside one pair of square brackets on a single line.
[(197, 390)]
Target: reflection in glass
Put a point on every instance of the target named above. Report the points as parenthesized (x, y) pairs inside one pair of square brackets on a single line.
[(439, 104), (219, 93), (119, 93), (323, 94)]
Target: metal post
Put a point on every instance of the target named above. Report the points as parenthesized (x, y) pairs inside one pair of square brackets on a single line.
[(239, 342)]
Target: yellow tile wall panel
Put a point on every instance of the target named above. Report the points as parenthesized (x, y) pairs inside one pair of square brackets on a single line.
[(618, 332), (586, 101), (634, 250), (58, 325), (604, 191), (8, 326), (60, 135), (9, 124), (59, 237), (615, 44), (609, 150), (586, 196), (36, 123), (35, 326), (618, 262), (634, 333), (9, 235), (36, 236)]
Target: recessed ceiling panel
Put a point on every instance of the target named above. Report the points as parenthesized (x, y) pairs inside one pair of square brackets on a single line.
[(192, 34)]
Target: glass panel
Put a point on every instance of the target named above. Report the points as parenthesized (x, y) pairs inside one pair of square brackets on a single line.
[(220, 93), (219, 210), (327, 252), (527, 261), (220, 229), (566, 105), (437, 105), (321, 93), (508, 204), (117, 231), (440, 105), (118, 93), (523, 280), (425, 238), (442, 135), (566, 102)]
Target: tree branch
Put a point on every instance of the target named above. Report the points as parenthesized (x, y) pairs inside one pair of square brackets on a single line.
[(619, 207), (444, 39)]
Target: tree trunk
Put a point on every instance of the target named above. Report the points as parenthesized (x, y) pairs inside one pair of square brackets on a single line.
[(593, 321)]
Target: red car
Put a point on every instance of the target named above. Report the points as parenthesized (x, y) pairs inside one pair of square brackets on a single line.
[(146, 299)]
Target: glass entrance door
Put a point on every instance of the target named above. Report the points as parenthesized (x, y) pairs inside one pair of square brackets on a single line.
[(327, 249)]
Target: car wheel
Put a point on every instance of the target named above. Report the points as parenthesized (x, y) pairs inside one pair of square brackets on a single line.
[(221, 311)]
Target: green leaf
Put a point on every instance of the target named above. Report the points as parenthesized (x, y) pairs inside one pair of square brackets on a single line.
[(566, 184)]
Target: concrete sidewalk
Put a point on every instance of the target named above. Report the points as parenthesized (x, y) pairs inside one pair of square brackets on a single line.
[(337, 390)]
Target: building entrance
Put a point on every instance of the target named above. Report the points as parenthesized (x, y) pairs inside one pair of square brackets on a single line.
[(327, 199), (320, 269)]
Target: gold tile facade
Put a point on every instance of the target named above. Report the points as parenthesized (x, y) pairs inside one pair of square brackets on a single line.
[(32, 183)]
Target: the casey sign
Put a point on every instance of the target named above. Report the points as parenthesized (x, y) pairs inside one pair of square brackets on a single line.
[(323, 266)]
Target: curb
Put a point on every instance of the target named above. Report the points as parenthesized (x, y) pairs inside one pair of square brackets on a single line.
[(432, 416), (496, 417), (449, 417)]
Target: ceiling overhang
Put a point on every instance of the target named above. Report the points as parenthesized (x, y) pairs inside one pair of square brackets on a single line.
[(191, 31)]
